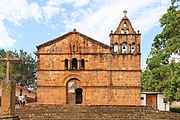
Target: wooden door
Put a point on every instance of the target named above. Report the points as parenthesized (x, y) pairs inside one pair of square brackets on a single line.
[(78, 96), (151, 100)]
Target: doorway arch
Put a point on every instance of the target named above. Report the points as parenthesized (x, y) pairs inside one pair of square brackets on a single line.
[(74, 91), (79, 95)]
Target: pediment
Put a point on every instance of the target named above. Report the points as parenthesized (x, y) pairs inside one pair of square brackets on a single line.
[(125, 27), (70, 41)]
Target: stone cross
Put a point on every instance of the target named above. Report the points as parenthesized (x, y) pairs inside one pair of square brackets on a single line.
[(125, 12), (9, 87)]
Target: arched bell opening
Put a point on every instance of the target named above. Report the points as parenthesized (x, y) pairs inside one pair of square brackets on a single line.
[(74, 64)]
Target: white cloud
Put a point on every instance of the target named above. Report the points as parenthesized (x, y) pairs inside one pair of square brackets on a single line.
[(143, 14), (54, 2), (50, 11), (80, 4), (5, 39), (15, 11), (52, 8), (148, 16), (76, 3), (93, 18), (35, 11)]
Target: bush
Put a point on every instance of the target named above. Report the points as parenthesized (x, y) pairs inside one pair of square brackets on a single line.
[(177, 110)]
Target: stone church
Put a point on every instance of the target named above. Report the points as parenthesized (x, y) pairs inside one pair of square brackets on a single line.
[(77, 69)]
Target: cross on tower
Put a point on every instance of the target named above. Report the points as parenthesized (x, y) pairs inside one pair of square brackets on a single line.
[(125, 12), (8, 61)]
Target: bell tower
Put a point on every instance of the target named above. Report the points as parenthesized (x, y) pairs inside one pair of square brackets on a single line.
[(126, 60), (125, 40)]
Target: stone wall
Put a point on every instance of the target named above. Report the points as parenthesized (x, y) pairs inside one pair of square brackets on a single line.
[(99, 87), (106, 77), (92, 62)]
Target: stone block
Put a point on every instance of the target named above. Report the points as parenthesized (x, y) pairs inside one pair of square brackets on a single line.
[(8, 98)]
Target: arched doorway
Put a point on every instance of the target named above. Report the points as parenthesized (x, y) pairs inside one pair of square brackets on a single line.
[(74, 91), (78, 95)]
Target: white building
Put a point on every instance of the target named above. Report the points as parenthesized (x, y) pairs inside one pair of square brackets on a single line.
[(156, 100), (31, 96)]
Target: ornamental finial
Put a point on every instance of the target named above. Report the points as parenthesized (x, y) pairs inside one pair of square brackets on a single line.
[(125, 11)]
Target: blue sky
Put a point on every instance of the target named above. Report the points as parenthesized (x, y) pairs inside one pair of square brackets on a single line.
[(24, 24)]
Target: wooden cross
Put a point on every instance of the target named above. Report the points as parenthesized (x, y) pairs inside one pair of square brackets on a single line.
[(125, 12), (8, 61)]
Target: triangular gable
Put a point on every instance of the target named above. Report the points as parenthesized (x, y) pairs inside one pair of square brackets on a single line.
[(70, 33), (125, 27)]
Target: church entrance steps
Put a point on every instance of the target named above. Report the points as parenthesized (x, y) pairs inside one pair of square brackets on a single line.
[(92, 112)]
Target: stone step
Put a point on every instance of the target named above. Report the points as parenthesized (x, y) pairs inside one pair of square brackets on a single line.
[(90, 112), (91, 115), (88, 109)]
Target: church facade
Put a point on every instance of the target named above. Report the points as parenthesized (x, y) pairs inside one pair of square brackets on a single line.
[(76, 69)]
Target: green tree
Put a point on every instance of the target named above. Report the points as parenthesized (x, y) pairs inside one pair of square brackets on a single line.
[(162, 73), (2, 65), (24, 72)]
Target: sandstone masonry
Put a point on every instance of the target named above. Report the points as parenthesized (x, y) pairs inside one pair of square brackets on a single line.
[(76, 69)]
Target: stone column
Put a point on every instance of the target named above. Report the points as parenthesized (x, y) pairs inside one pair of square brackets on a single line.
[(8, 98), (120, 48), (69, 64), (79, 65), (8, 101), (128, 48)]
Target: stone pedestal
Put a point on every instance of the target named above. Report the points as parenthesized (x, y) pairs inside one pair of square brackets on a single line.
[(8, 98)]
